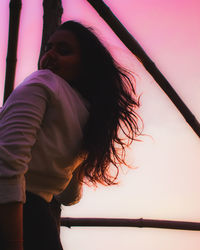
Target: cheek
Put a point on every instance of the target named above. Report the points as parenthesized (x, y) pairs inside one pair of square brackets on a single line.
[(71, 65)]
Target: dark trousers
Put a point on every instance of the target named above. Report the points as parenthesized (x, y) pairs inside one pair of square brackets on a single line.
[(39, 225)]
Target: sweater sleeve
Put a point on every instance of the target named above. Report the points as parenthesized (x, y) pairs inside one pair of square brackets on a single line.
[(20, 120)]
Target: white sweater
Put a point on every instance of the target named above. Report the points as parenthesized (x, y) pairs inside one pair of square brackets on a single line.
[(40, 135)]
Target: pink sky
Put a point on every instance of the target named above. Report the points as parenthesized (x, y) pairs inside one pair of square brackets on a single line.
[(166, 183)]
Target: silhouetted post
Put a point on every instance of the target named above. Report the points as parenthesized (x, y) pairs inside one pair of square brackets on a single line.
[(14, 17), (113, 222), (52, 14), (149, 65), (52, 10)]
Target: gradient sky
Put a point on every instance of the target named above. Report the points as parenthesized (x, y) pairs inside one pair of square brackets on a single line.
[(165, 184)]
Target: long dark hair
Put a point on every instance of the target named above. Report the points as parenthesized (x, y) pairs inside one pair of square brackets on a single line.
[(110, 92)]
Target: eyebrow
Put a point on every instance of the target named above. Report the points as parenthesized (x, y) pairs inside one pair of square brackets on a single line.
[(61, 44)]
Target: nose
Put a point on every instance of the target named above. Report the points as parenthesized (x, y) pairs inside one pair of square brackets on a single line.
[(51, 52), (48, 59)]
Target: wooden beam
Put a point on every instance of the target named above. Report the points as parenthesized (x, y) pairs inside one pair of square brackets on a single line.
[(149, 65), (52, 10), (112, 222), (14, 18)]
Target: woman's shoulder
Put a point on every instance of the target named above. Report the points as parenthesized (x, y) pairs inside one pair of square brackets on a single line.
[(44, 77)]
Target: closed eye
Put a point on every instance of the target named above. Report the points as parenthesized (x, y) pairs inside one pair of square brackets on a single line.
[(63, 51), (61, 48)]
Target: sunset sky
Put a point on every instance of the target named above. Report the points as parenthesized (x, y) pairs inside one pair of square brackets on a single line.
[(165, 183)]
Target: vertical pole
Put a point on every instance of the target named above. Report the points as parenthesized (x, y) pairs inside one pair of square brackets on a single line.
[(52, 10), (14, 18)]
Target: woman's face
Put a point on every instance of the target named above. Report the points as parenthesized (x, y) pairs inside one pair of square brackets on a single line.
[(62, 55)]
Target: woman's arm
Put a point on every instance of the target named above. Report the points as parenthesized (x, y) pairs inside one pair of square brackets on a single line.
[(11, 226), (20, 120)]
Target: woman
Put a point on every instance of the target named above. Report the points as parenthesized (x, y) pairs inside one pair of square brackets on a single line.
[(63, 119)]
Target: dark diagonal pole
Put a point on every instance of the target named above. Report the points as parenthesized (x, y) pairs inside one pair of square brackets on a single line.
[(149, 65), (14, 18)]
